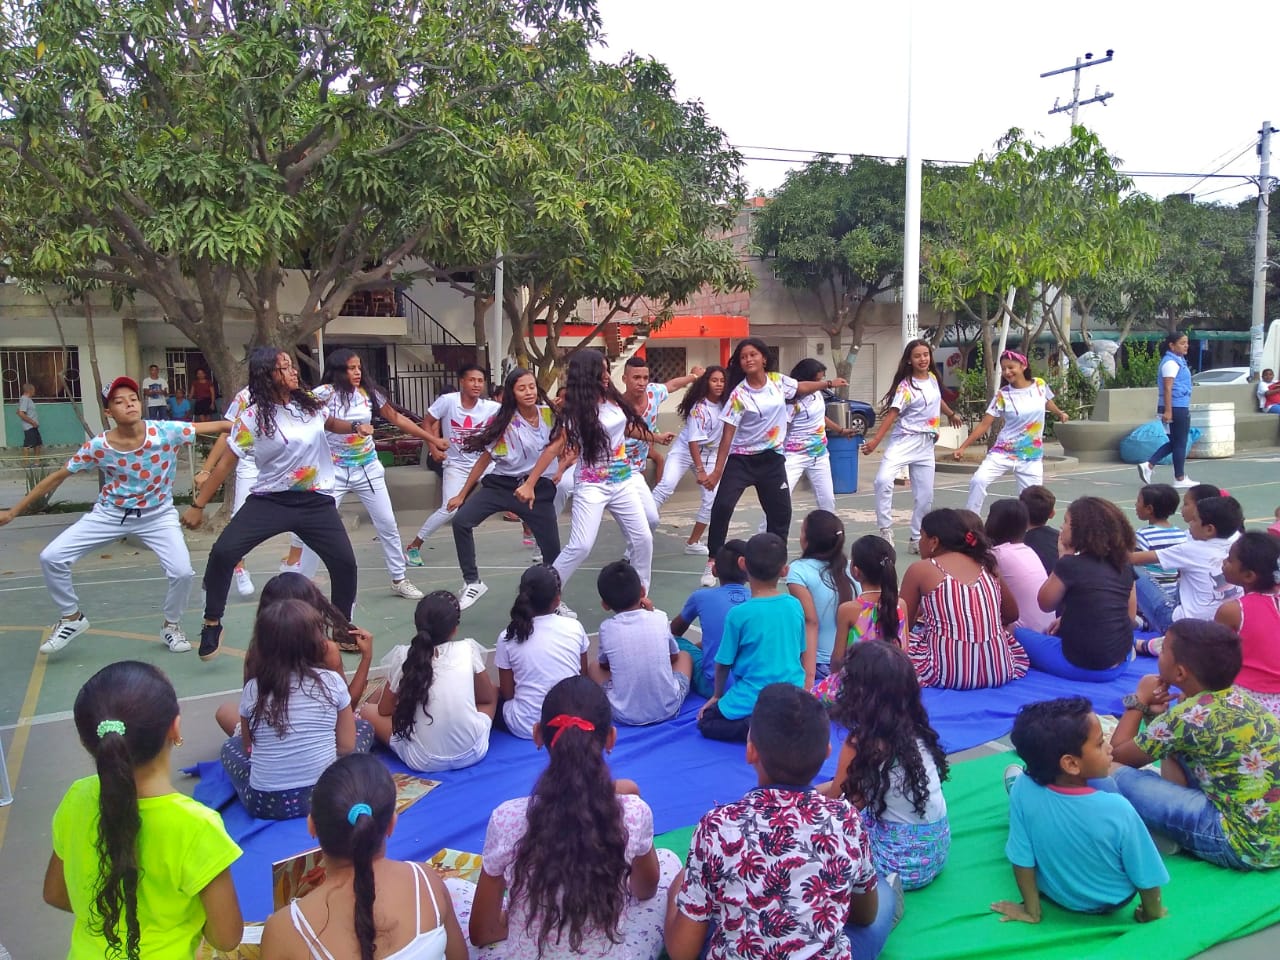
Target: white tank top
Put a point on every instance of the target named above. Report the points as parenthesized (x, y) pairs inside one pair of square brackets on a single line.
[(426, 945)]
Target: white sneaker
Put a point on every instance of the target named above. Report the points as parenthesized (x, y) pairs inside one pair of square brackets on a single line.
[(407, 590), (244, 583), (1185, 483), (174, 638), (291, 567), (64, 631), (536, 559), (565, 610), (708, 575), (696, 549), (1144, 471), (886, 534), (471, 592), (913, 546)]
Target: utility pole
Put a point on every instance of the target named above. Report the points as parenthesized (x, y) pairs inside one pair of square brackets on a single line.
[(911, 237), (1258, 321), (494, 333)]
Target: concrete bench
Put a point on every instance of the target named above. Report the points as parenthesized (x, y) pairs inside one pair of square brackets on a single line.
[(1116, 413)]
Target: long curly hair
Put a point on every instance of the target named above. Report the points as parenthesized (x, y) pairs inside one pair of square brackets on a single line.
[(263, 393), (497, 426), (571, 866), (586, 387), (700, 390), (956, 534), (903, 371), (290, 638), (824, 539), (294, 586), (539, 594), (436, 621), (733, 370), (880, 705), (335, 374), (875, 559), (350, 780), (140, 697), (1099, 529)]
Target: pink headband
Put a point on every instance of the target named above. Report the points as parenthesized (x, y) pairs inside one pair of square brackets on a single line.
[(1014, 355)]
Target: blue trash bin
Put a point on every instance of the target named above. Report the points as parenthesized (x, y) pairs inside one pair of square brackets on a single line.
[(844, 463)]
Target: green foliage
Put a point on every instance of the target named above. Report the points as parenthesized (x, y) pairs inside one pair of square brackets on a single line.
[(33, 474), (1140, 367), (1073, 392)]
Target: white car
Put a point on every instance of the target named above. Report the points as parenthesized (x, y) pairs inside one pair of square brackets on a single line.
[(1221, 375)]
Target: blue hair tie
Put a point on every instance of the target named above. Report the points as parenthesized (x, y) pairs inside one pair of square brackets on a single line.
[(356, 810)]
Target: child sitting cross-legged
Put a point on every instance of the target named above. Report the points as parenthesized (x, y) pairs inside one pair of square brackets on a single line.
[(709, 606), (1084, 849), (1254, 565), (1217, 794), (763, 643), (644, 673), (783, 870)]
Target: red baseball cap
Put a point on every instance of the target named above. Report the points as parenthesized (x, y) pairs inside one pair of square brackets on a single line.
[(115, 385)]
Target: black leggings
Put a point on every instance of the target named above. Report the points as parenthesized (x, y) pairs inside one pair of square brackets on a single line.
[(767, 472), (312, 516), (714, 725), (497, 494), (1179, 430)]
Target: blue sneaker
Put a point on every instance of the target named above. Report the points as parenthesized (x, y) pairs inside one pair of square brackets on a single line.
[(413, 557)]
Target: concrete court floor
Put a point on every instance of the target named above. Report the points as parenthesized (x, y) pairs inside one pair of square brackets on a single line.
[(120, 588)]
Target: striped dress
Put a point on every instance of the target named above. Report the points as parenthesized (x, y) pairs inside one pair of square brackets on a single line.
[(959, 641)]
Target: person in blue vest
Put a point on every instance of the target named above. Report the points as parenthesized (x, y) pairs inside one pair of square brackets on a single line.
[(1174, 408)]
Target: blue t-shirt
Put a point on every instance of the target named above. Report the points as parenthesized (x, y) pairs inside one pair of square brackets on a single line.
[(762, 644), (180, 409), (709, 606), (1089, 848), (813, 576)]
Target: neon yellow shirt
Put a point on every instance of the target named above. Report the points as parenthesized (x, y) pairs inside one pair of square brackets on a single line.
[(182, 847)]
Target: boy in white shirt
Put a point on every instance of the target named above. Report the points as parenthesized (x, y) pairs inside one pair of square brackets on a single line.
[(156, 392), (643, 671)]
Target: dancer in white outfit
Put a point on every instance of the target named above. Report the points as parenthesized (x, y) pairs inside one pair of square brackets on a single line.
[(138, 459), (349, 394), (1021, 404), (911, 418), (646, 399), (457, 416), (595, 421)]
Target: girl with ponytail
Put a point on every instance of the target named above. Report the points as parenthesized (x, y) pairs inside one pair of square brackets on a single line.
[(538, 649), (437, 708), (820, 581), (362, 907), (145, 869), (577, 855)]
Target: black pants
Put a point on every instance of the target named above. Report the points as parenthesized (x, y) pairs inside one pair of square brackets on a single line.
[(714, 725), (312, 516), (497, 494), (767, 472), (1179, 430)]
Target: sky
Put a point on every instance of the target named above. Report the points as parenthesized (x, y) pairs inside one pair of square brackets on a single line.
[(1192, 83)]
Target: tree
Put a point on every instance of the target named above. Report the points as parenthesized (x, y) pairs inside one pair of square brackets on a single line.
[(1027, 225), (195, 151), (659, 186)]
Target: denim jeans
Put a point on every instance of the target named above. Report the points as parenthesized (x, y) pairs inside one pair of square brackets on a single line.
[(1045, 653), (868, 941), (1183, 814), (1153, 602)]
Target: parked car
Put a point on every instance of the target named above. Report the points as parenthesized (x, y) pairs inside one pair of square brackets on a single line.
[(858, 415), (1221, 375)]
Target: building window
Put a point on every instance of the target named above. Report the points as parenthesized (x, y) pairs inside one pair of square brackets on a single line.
[(665, 363), (55, 372)]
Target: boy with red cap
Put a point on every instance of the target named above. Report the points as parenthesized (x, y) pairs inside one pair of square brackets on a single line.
[(138, 459)]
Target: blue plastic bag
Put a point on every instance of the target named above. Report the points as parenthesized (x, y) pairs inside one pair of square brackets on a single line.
[(1139, 445)]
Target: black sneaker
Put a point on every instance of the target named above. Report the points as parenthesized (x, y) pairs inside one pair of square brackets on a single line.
[(210, 640)]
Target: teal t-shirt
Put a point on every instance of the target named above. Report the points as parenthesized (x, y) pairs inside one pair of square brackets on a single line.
[(762, 644), (813, 576)]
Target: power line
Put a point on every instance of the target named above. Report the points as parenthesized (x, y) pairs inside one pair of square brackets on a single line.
[(1192, 188)]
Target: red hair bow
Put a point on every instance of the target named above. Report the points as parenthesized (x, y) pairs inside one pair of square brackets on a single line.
[(971, 538), (564, 721)]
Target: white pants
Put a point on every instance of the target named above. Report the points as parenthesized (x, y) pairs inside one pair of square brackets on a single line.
[(158, 529), (590, 500), (646, 497), (818, 470), (370, 485), (1028, 473), (564, 489), (914, 451), (679, 462), (246, 476), (452, 478)]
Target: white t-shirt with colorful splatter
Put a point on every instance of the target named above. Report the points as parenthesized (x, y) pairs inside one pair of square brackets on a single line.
[(759, 414), (638, 450), (140, 479), (703, 427), (919, 405), (1022, 435), (521, 444), (239, 404), (807, 428), (457, 423), (615, 467), (294, 458), (349, 450)]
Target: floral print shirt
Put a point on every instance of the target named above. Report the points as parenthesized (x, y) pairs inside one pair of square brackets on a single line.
[(1022, 410), (638, 450), (295, 457), (775, 873), (759, 415), (140, 479), (1231, 745)]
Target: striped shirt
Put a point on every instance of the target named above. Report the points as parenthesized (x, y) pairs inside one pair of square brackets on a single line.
[(960, 642), (1156, 538)]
